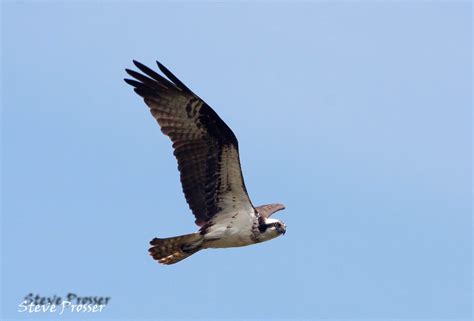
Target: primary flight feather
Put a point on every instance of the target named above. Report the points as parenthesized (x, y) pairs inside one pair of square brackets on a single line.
[(208, 161)]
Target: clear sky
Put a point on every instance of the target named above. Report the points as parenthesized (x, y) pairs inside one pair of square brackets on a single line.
[(356, 115)]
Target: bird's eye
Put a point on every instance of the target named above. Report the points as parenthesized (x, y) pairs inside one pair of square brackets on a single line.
[(277, 225)]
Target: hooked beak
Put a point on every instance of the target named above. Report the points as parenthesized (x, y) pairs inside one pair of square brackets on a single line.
[(283, 229)]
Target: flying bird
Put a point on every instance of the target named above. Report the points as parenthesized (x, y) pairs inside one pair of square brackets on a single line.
[(207, 152)]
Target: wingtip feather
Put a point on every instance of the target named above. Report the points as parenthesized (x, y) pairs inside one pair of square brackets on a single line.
[(161, 66), (172, 77), (136, 63), (132, 82)]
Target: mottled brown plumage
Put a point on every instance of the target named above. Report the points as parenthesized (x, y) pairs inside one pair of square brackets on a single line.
[(205, 147)]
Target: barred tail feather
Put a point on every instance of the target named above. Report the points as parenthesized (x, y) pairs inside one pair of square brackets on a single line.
[(174, 249)]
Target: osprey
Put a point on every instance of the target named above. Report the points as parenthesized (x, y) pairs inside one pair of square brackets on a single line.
[(208, 161)]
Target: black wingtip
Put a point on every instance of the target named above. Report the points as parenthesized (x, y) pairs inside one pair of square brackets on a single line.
[(142, 67), (132, 82), (163, 68), (172, 77), (160, 65)]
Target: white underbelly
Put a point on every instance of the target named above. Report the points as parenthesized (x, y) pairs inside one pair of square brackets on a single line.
[(228, 240), (229, 234)]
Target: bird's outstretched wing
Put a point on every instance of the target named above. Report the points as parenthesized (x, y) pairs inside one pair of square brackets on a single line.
[(268, 210), (205, 147)]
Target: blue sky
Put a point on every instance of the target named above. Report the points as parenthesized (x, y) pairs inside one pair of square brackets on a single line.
[(356, 115)]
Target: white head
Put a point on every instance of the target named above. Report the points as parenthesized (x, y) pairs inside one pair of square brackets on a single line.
[(271, 228)]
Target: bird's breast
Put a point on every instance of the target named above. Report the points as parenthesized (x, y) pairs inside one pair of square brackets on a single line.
[(231, 230)]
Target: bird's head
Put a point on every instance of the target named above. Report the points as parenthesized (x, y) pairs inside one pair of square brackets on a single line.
[(271, 228)]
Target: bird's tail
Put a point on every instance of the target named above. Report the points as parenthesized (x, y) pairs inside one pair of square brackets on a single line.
[(174, 249)]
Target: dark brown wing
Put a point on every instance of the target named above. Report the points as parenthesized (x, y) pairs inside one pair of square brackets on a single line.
[(268, 210), (205, 147)]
